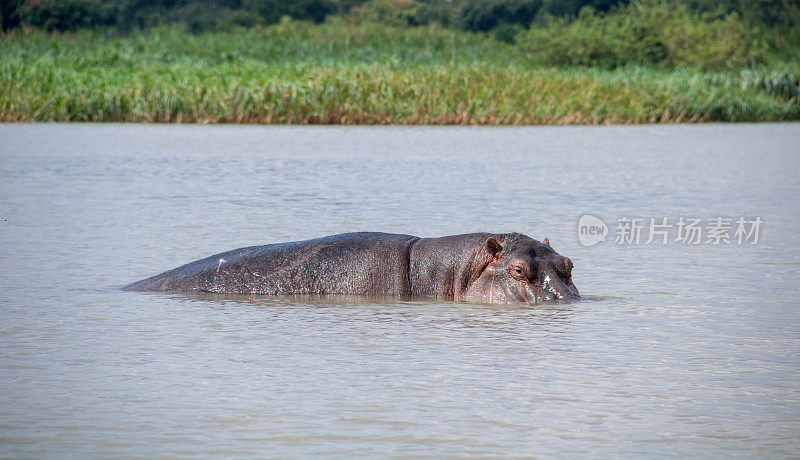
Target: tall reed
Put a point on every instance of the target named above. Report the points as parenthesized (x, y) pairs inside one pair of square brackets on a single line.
[(365, 74)]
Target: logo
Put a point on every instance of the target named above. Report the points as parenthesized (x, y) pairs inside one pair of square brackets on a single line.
[(685, 230), (591, 230)]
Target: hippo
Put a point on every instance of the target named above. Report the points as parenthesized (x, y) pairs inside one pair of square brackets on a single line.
[(474, 267)]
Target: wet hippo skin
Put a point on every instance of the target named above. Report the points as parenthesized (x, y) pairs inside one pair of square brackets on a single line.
[(476, 267)]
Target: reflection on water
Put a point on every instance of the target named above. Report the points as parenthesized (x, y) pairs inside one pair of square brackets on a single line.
[(674, 350)]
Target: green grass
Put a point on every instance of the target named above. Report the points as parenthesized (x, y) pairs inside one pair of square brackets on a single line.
[(359, 74)]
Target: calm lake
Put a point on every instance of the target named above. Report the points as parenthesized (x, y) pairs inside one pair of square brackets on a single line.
[(677, 349)]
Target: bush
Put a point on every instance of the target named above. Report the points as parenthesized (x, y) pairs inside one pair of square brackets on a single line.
[(772, 13), (197, 16), (408, 12), (507, 33), (484, 15), (140, 14), (63, 15), (393, 12), (708, 43), (239, 18), (10, 13), (314, 10), (651, 32), (570, 8), (444, 12), (271, 11)]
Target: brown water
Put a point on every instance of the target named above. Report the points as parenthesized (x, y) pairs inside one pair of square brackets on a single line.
[(677, 350)]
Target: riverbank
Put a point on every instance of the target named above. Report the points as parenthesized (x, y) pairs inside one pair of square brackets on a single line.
[(297, 73)]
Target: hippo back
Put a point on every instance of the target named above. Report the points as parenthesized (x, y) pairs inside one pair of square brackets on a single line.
[(365, 263)]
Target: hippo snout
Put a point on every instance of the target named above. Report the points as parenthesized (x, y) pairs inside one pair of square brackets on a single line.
[(554, 288)]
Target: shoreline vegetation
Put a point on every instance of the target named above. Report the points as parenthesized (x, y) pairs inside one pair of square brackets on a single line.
[(344, 72)]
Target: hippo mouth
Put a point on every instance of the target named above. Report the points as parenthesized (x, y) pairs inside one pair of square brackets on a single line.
[(538, 292), (551, 291)]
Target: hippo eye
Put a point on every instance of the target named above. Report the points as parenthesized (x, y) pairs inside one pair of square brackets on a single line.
[(517, 272)]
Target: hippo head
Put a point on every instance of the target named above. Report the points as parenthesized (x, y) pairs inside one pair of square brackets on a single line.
[(521, 269)]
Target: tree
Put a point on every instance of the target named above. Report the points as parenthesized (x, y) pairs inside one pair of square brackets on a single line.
[(271, 11), (10, 14), (65, 15), (484, 15)]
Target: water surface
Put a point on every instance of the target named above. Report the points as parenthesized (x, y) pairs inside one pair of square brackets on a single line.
[(677, 350)]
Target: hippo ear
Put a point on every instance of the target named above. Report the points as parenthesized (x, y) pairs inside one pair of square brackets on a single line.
[(547, 241), (493, 246)]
